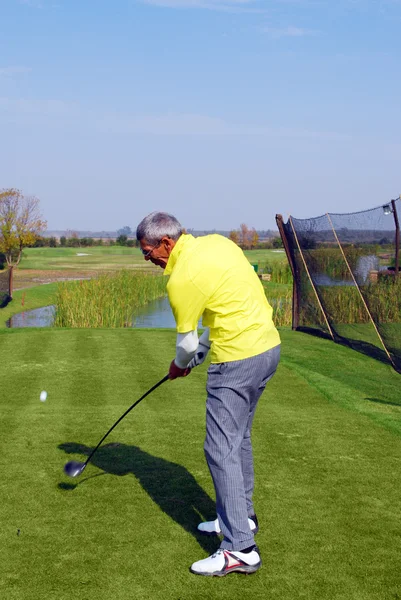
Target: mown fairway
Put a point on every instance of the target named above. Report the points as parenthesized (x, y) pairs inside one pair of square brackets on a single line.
[(46, 265), (109, 257), (327, 441), (96, 257)]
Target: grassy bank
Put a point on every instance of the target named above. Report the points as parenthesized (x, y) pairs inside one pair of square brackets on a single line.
[(28, 299), (327, 445)]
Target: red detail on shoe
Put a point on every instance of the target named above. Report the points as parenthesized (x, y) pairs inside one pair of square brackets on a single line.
[(231, 561)]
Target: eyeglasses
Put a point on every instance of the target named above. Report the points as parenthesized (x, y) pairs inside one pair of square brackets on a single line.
[(147, 253)]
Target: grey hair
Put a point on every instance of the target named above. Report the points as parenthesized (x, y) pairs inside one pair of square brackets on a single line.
[(157, 225)]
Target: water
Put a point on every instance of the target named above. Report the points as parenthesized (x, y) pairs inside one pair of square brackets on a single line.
[(156, 314), (39, 317)]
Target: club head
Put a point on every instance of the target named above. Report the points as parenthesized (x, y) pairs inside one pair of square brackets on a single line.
[(74, 468)]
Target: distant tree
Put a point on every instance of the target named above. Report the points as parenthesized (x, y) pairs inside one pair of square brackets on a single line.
[(52, 242), (99, 242), (21, 223), (122, 240), (86, 241), (73, 242), (131, 243), (253, 237), (124, 231), (234, 236), (243, 235), (277, 242), (40, 242), (63, 240)]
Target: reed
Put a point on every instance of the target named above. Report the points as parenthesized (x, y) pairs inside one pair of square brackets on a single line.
[(280, 299), (107, 300), (343, 304), (280, 271)]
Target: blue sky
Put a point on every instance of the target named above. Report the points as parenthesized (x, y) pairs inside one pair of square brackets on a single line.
[(221, 112)]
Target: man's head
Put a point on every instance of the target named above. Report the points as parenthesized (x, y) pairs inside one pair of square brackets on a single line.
[(157, 235)]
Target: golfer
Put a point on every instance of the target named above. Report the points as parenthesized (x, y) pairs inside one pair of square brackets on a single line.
[(211, 277)]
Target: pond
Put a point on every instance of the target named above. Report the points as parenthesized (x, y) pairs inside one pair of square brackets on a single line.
[(156, 314)]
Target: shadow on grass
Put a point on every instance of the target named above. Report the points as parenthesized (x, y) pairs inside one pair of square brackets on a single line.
[(169, 485), (360, 346), (378, 401)]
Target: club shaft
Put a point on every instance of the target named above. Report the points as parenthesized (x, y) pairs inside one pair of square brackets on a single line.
[(124, 415)]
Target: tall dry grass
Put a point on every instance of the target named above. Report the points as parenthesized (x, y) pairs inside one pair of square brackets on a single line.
[(343, 304), (107, 300), (280, 271)]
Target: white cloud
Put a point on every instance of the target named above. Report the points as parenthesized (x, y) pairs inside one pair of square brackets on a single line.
[(200, 125), (18, 107), (219, 5), (16, 70), (33, 3), (60, 114), (289, 31)]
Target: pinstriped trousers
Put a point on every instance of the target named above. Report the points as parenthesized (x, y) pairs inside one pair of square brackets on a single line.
[(233, 390)]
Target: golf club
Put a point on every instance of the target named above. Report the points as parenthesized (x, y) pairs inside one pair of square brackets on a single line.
[(75, 468)]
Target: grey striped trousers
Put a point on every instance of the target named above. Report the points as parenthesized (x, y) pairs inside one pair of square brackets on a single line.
[(233, 390)]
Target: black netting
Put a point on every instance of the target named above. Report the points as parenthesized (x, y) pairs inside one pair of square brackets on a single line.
[(4, 287), (345, 268)]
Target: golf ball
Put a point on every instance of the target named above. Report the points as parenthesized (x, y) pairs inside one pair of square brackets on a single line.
[(43, 396)]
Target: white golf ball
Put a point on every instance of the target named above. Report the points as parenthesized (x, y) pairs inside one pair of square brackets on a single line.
[(43, 396)]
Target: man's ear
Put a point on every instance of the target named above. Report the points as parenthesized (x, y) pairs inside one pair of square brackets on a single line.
[(168, 243)]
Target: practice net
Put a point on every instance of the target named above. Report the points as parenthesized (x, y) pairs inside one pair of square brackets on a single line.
[(4, 287), (347, 280)]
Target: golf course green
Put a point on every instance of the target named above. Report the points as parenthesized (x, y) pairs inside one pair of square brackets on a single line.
[(327, 445)]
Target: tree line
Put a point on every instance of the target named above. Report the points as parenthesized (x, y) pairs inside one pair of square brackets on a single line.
[(248, 239), (74, 241), (22, 226)]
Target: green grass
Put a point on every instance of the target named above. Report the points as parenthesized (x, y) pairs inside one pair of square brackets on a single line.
[(97, 257), (262, 256), (108, 257), (327, 445)]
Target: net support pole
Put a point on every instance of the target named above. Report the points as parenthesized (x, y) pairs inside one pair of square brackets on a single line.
[(10, 282), (311, 280), (359, 290), (397, 239), (295, 282)]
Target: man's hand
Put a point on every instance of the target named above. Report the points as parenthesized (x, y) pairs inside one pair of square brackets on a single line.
[(199, 357), (175, 371)]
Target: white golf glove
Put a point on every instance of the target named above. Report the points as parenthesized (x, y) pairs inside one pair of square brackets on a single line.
[(201, 351), (199, 357)]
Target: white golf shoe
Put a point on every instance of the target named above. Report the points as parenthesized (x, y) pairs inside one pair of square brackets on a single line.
[(213, 527), (223, 562)]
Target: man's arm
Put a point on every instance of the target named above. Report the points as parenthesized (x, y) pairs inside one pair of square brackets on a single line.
[(186, 346), (190, 352)]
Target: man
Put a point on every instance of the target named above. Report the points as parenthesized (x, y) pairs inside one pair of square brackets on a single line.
[(211, 277)]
